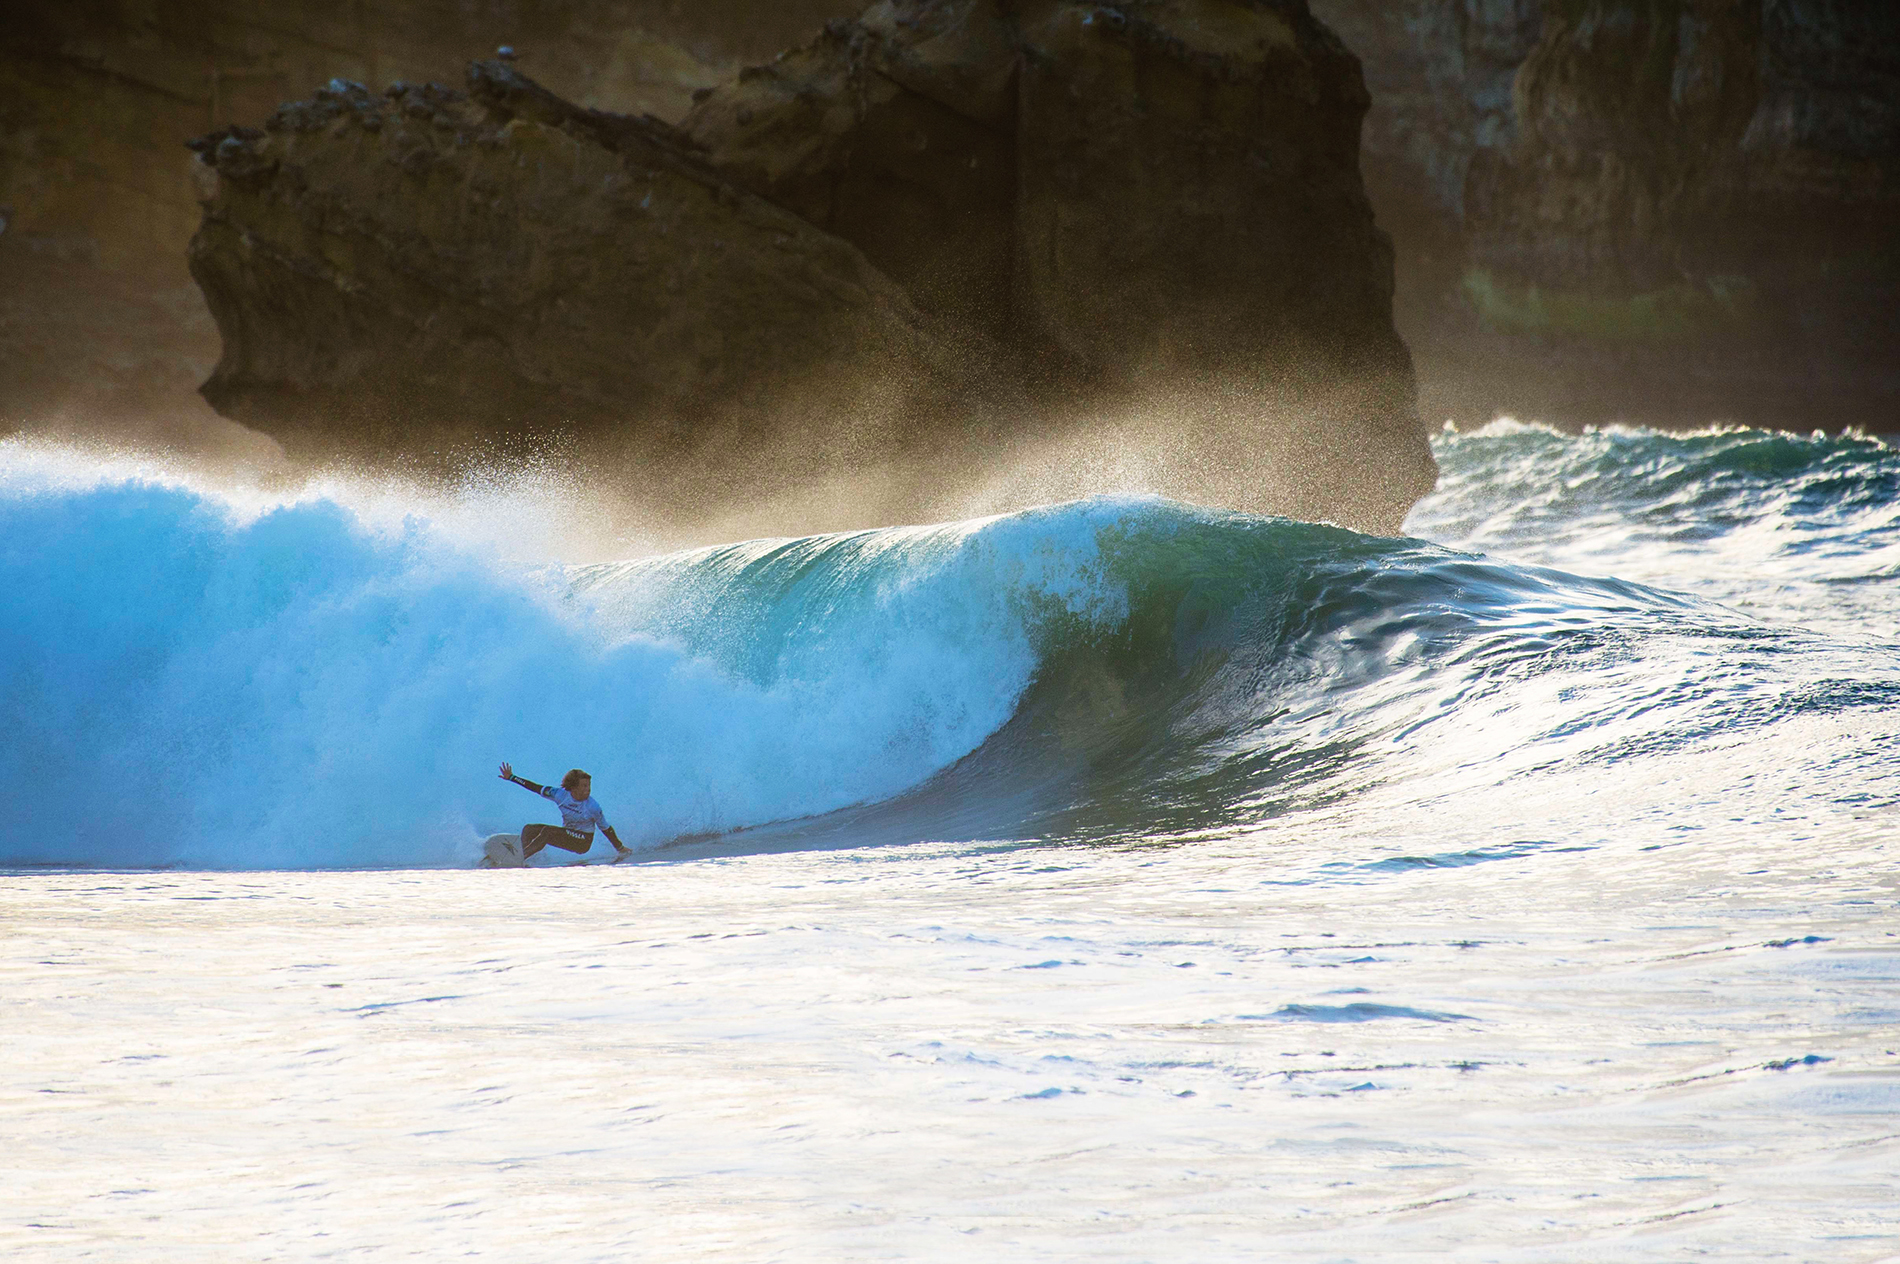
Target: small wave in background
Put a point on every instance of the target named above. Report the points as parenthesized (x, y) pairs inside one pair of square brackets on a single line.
[(200, 679), (1802, 530)]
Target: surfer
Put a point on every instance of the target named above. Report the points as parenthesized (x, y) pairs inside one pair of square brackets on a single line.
[(579, 815)]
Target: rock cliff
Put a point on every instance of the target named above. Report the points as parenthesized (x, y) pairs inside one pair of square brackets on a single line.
[(102, 332), (1670, 211), (421, 270), (1151, 214), (96, 98), (1698, 216), (1665, 210)]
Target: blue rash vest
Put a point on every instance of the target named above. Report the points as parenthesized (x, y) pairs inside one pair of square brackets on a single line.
[(579, 817)]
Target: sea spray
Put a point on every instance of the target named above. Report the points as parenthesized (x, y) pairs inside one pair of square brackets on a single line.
[(1416, 895), (199, 679), (190, 684)]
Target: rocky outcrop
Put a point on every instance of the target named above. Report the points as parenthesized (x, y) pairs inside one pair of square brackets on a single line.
[(96, 102), (900, 138), (95, 99), (1698, 215), (1676, 211), (1150, 214), (1161, 189), (1595, 241), (424, 270)]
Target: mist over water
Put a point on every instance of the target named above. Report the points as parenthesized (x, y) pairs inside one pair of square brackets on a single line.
[(304, 684), (1074, 883), (1616, 630)]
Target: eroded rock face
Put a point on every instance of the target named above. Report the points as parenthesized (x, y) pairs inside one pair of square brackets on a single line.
[(1702, 202), (96, 98), (898, 137), (1149, 214), (1440, 73), (1667, 211), (1157, 206), (424, 268), (111, 337)]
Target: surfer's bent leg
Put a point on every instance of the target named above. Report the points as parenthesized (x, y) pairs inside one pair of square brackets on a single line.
[(535, 837)]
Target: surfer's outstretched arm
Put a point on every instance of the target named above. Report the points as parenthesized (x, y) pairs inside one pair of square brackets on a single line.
[(508, 774), (579, 815)]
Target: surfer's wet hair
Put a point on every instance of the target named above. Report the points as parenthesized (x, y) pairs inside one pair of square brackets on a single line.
[(573, 778)]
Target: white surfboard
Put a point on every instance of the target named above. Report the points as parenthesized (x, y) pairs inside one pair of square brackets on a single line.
[(503, 851)]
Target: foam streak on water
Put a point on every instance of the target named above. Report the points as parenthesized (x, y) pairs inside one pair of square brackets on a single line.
[(1120, 880), (1106, 1055)]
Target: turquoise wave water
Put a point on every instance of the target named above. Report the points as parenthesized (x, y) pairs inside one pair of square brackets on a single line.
[(194, 682), (1799, 529)]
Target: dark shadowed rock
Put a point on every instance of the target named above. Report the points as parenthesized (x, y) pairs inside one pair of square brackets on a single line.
[(1667, 211), (96, 101), (1193, 230), (1158, 206), (1155, 209), (1698, 216), (427, 268), (899, 137)]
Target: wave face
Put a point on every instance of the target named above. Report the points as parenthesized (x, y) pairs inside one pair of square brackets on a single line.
[(1796, 529), (196, 682)]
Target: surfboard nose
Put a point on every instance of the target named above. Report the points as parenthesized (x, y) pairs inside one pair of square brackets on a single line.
[(503, 851)]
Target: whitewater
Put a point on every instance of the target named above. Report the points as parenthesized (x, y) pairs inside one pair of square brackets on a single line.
[(1114, 880)]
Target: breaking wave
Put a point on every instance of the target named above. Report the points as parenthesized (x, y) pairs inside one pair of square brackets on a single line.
[(191, 681)]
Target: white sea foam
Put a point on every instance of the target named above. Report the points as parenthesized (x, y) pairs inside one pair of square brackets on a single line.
[(1456, 910), (211, 679), (926, 1053)]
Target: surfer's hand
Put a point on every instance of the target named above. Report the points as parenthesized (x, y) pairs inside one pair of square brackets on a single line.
[(507, 772)]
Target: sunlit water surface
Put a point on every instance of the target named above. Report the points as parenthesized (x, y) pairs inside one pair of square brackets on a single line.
[(1118, 881)]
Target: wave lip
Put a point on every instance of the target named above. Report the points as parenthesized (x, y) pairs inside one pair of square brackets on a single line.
[(202, 685), (296, 687)]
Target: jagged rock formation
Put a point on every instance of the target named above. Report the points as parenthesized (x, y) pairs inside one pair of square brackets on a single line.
[(1533, 241), (1159, 189), (1702, 204), (1153, 209), (1681, 212), (419, 269), (103, 332), (95, 99)]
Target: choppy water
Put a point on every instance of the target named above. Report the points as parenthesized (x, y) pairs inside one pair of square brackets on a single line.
[(1118, 880)]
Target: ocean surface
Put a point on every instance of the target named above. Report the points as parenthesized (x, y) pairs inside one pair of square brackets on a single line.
[(1114, 880)]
